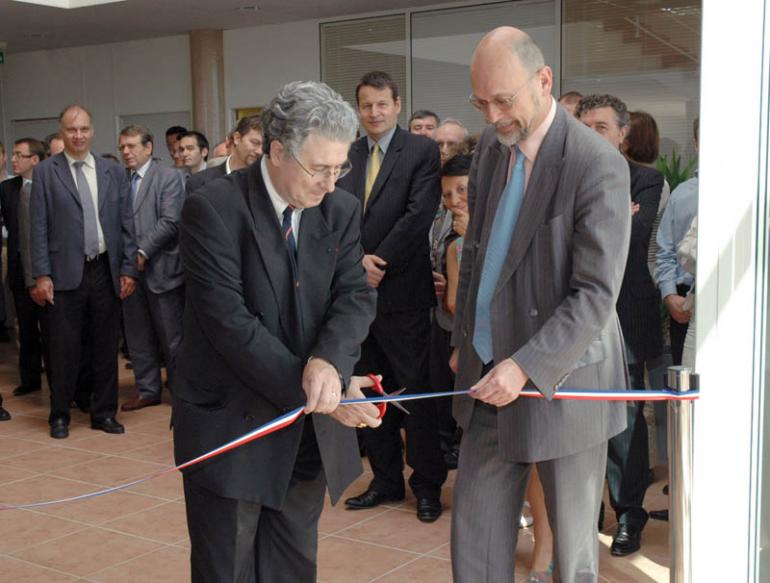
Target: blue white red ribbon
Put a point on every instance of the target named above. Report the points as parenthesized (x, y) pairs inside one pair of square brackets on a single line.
[(289, 418)]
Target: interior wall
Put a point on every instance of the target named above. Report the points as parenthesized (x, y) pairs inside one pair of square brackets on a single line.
[(113, 80)]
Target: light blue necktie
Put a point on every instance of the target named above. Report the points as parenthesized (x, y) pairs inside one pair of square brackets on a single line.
[(497, 249)]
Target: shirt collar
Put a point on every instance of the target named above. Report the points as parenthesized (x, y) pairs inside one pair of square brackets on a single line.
[(88, 160), (531, 145), (279, 204), (26, 181), (143, 170), (227, 165), (384, 141)]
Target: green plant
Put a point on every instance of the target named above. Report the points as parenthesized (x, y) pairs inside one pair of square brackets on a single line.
[(673, 171)]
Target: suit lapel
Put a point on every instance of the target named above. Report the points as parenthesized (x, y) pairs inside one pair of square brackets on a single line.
[(103, 179), (358, 158), (540, 190), (388, 163), (144, 188), (272, 247), (63, 172)]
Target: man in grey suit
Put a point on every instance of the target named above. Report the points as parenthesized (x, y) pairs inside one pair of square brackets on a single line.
[(153, 313), (542, 264), (83, 251)]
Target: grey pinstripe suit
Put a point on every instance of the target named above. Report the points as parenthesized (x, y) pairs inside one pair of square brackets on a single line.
[(554, 314)]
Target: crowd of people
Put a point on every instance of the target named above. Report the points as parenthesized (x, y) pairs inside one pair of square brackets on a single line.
[(534, 254)]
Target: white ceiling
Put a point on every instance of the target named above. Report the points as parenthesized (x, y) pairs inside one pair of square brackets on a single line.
[(28, 27)]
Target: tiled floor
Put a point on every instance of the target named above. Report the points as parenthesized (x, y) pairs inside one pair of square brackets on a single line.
[(139, 535)]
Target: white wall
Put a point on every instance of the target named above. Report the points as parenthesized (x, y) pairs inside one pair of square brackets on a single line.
[(261, 59), (148, 76)]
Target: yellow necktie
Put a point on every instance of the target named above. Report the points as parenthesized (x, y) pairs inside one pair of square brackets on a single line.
[(371, 174)]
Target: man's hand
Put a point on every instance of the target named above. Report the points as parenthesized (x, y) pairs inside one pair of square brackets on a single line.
[(460, 223), (127, 286), (501, 385), (43, 291), (454, 360), (674, 305), (321, 384), (635, 206), (360, 413), (439, 283), (375, 269), (140, 261)]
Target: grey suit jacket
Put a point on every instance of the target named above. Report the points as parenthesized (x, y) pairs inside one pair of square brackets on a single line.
[(56, 222), (554, 305), (157, 210)]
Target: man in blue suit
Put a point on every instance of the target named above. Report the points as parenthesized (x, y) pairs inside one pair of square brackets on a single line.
[(84, 262)]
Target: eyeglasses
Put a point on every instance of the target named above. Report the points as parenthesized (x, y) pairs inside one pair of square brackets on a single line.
[(335, 172), (501, 102), (20, 155)]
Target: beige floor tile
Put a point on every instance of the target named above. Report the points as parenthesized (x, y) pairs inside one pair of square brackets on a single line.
[(401, 530), (101, 442), (41, 488), (166, 523), (108, 471), (50, 459), (346, 561), (13, 446), (23, 528), (103, 508), (168, 487), (166, 565), (159, 453), (88, 551), (16, 571), (11, 474), (424, 570)]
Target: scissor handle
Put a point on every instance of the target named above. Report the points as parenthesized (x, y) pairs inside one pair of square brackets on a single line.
[(377, 388)]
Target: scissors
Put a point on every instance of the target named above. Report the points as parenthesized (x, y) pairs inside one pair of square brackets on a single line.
[(377, 388)]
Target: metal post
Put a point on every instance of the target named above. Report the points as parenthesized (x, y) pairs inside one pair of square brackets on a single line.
[(680, 458)]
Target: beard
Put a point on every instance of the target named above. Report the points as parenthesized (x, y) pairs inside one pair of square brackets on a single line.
[(521, 130)]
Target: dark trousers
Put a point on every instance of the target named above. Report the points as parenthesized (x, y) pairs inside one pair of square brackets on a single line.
[(397, 348), (678, 331), (29, 316), (154, 331), (628, 460), (92, 308), (442, 379), (235, 541)]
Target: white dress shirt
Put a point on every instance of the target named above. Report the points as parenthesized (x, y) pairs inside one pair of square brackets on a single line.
[(279, 204)]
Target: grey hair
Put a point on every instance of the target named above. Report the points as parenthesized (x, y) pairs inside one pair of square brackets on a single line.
[(454, 122), (529, 54), (301, 108)]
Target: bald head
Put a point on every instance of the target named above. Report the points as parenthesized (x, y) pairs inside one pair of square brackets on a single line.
[(76, 131), (511, 83)]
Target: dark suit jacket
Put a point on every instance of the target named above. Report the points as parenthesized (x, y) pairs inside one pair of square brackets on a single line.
[(401, 209), (553, 310), (56, 222), (638, 303), (195, 181), (9, 201), (157, 209), (241, 360)]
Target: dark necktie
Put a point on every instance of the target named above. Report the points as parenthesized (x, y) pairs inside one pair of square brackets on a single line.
[(90, 224)]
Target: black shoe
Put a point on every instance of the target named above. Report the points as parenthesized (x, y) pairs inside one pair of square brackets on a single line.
[(665, 489), (4, 336), (451, 458), (108, 425), (428, 509), (600, 524), (370, 499), (627, 540), (60, 428), (4, 415), (22, 390), (659, 514)]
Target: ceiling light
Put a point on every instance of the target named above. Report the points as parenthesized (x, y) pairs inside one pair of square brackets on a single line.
[(67, 4)]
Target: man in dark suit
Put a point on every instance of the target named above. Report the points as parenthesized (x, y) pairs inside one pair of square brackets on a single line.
[(84, 262), (542, 265), (628, 458), (14, 200), (247, 146), (153, 313), (277, 307), (396, 178)]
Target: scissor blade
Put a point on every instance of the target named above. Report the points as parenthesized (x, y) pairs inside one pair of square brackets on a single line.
[(396, 403)]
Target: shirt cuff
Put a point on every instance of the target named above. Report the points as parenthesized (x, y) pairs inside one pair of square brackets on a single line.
[(143, 254), (667, 288)]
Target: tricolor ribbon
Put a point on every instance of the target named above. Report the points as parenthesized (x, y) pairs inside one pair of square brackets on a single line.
[(289, 418)]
